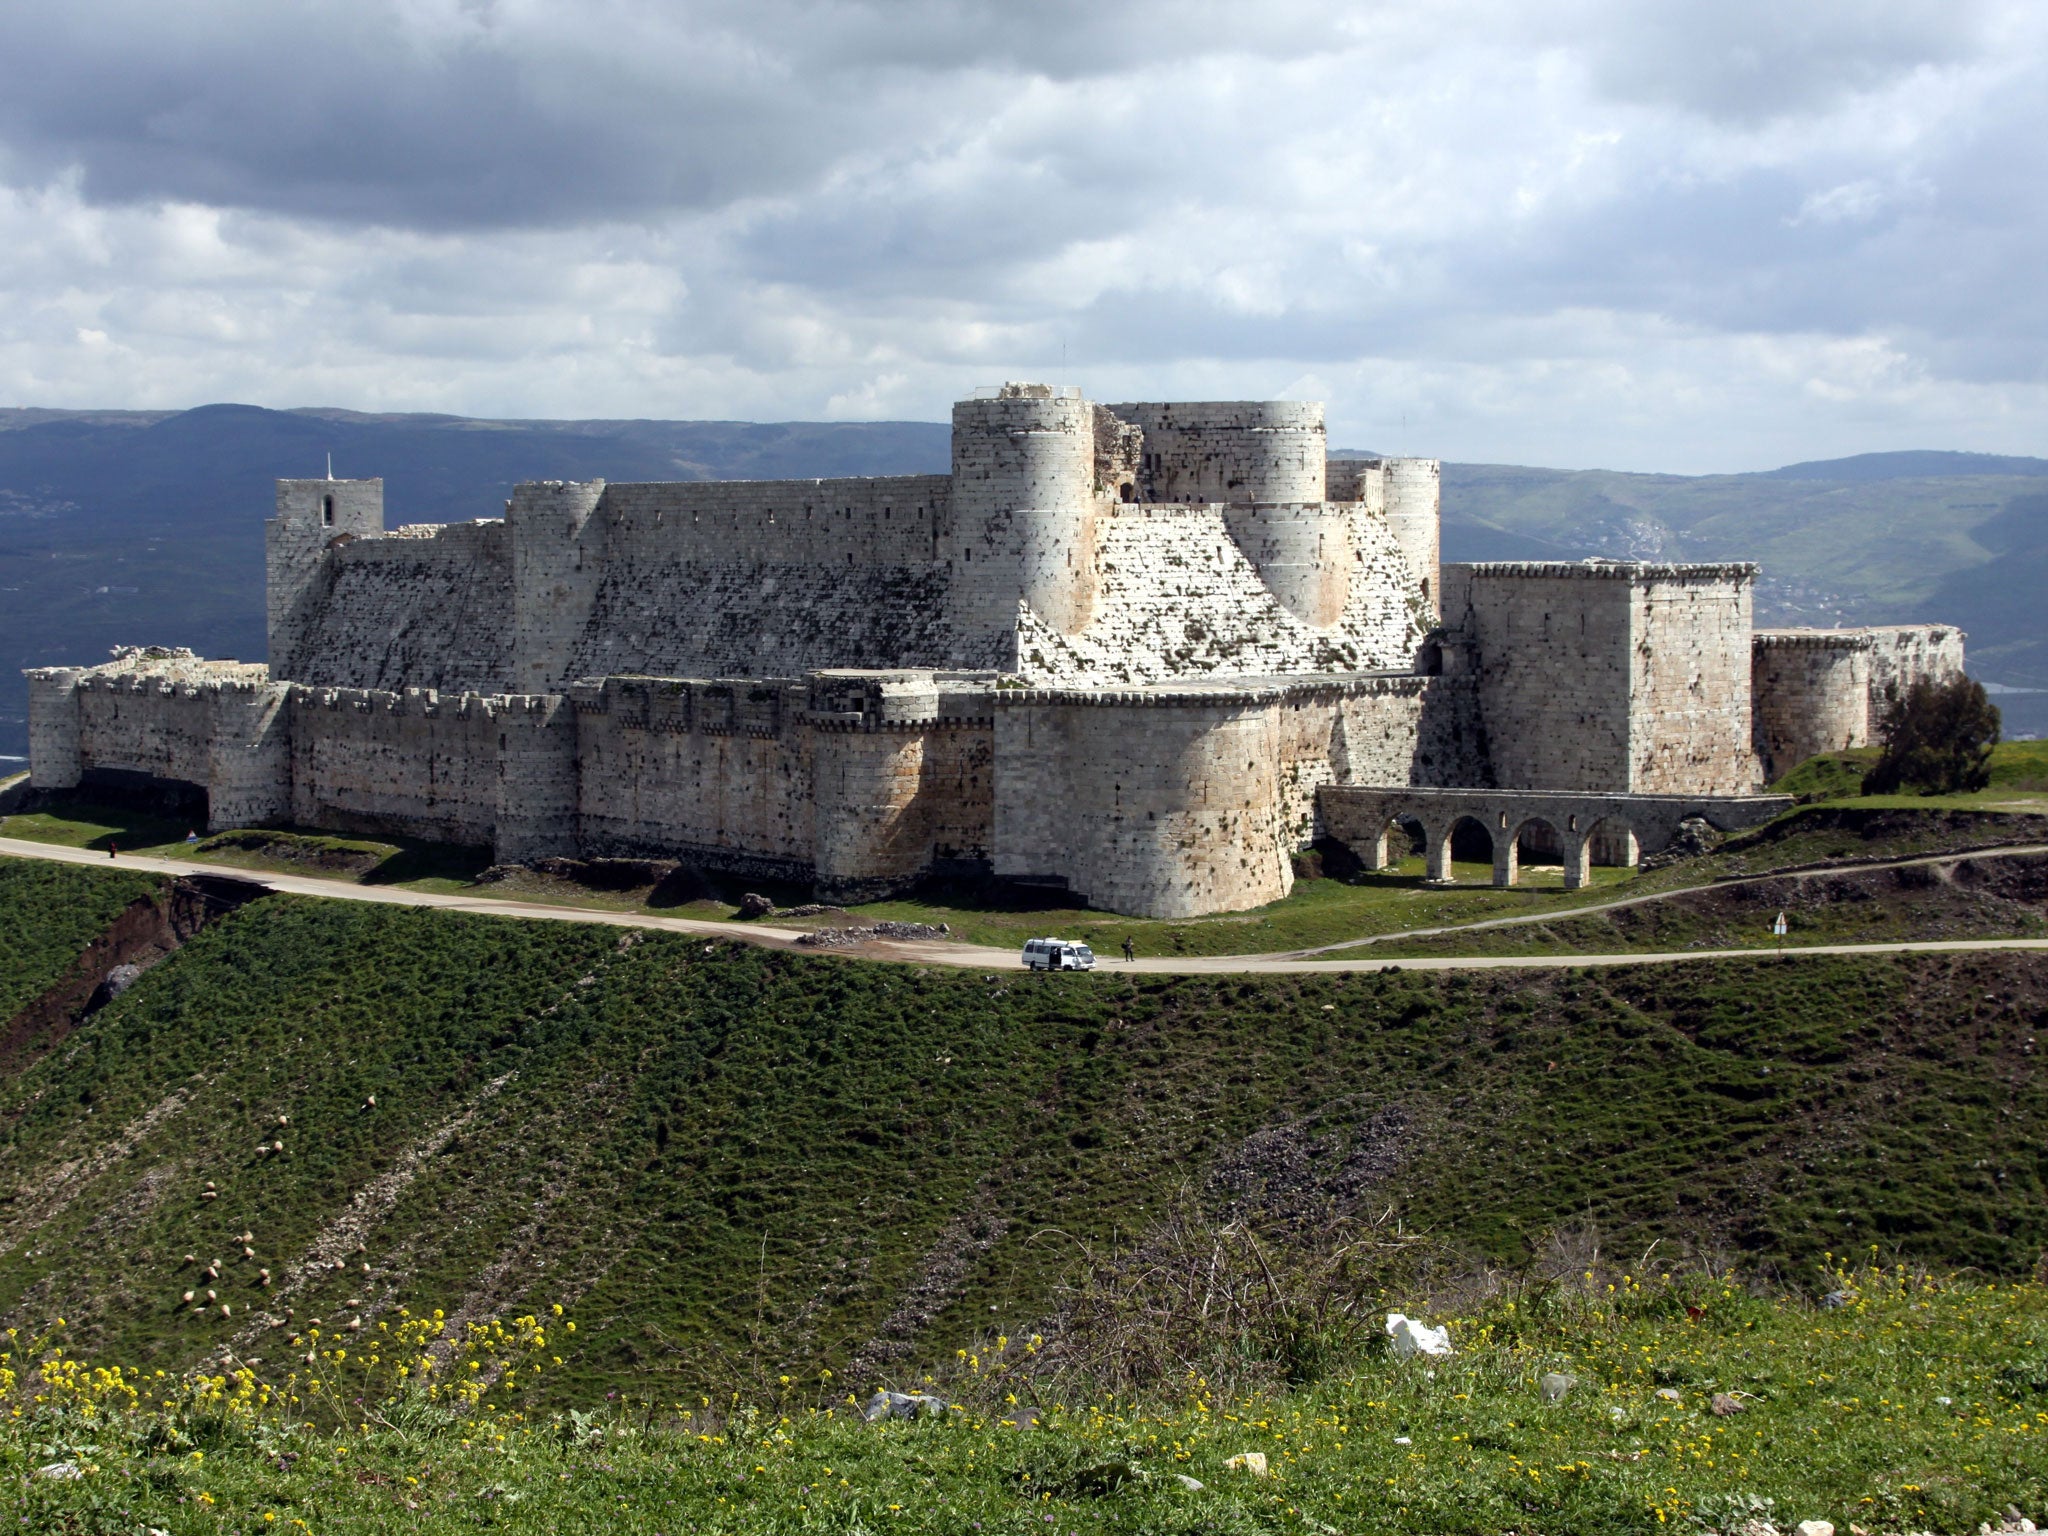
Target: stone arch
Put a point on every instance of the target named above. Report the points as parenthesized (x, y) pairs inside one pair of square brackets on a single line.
[(1402, 834), (1612, 840), (1468, 834), (1535, 838)]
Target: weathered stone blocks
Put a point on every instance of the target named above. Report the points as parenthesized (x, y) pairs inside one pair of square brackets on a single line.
[(1132, 650)]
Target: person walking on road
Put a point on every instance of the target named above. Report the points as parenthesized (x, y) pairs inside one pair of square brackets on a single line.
[(111, 849), (1130, 950)]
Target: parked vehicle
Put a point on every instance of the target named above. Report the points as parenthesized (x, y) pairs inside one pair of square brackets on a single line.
[(1058, 955)]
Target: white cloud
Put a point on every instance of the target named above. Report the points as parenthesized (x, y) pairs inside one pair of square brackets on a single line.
[(1653, 235)]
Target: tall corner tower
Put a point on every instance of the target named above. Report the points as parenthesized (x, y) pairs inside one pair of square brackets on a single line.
[(313, 516), (1023, 510)]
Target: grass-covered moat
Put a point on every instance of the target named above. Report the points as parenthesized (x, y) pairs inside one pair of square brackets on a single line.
[(1912, 1403)]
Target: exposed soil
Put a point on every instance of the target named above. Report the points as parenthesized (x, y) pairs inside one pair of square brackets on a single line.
[(147, 931)]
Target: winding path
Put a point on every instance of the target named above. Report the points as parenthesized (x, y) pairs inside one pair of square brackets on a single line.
[(977, 957)]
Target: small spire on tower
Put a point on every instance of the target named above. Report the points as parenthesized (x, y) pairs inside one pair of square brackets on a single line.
[(330, 464)]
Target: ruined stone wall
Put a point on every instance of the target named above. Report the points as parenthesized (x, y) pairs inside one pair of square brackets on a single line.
[(1178, 596), (413, 764), (1362, 480), (427, 609), (1824, 690), (1903, 654), (1689, 705)]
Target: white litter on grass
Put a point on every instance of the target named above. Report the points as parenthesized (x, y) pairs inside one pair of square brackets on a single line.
[(1403, 1440), (1413, 1338), (60, 1471)]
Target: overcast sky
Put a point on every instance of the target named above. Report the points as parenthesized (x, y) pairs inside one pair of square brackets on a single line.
[(1671, 234)]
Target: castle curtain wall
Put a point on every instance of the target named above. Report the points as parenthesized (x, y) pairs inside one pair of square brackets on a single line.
[(1555, 667), (1611, 676), (715, 772), (1824, 690), (1164, 805), (410, 764)]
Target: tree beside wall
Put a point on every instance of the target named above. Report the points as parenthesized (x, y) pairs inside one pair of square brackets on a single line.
[(1937, 739)]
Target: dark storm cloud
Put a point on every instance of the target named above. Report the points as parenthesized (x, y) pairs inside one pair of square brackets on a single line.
[(444, 116), (1586, 216)]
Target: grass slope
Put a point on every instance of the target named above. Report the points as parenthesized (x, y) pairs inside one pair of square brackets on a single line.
[(50, 912), (2018, 768), (738, 1163), (1916, 1406), (1317, 912), (1983, 897)]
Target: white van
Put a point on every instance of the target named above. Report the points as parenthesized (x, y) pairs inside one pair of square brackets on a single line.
[(1057, 955)]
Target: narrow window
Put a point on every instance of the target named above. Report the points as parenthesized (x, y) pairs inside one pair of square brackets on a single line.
[(326, 511)]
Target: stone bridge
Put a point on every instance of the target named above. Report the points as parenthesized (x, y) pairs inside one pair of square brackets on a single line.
[(1360, 817)]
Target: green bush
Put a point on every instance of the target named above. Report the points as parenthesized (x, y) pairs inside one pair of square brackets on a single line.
[(1937, 739)]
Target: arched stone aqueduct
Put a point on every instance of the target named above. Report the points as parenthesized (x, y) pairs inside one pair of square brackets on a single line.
[(1362, 818)]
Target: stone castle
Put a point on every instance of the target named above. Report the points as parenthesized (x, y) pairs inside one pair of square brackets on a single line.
[(1145, 653)]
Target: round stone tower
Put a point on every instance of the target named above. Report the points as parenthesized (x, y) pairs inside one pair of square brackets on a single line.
[(1023, 512), (1234, 451), (1303, 554)]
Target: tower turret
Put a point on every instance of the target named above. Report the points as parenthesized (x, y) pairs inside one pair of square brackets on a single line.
[(558, 550), (1234, 451), (312, 517), (1414, 502), (1023, 512)]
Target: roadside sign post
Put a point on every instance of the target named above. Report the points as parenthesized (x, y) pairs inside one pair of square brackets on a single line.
[(1778, 930)]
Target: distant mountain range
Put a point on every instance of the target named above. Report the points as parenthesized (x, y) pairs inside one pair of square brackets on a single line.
[(127, 527)]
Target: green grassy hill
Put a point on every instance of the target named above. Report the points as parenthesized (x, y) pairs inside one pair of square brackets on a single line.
[(736, 1163), (48, 913)]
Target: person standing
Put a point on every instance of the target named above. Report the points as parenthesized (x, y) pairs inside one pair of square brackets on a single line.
[(1130, 950)]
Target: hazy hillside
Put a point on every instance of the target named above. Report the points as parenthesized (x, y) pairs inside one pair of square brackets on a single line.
[(735, 1162), (124, 527), (1881, 538)]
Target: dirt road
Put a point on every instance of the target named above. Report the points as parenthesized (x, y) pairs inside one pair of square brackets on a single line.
[(975, 957)]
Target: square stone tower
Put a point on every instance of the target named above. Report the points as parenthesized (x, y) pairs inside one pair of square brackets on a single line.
[(1611, 676), (312, 517)]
